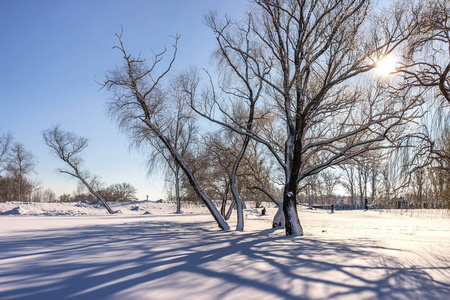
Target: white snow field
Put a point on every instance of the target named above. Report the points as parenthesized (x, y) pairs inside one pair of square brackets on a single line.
[(78, 251)]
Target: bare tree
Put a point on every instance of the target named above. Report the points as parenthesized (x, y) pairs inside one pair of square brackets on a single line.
[(374, 178), (426, 66), (229, 152), (362, 180), (258, 174), (5, 145), (182, 130), (48, 196), (138, 104), (243, 83), (349, 181), (314, 54), (330, 181), (395, 178), (67, 146), (221, 148), (20, 163), (247, 170), (64, 198), (427, 63), (120, 192)]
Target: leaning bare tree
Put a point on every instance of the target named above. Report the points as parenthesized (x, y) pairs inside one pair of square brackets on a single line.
[(316, 55), (138, 103), (67, 146)]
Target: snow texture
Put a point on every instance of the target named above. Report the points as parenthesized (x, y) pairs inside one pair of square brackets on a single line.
[(79, 251)]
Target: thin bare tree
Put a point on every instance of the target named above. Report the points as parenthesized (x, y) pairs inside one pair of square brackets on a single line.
[(243, 83), (68, 146), (183, 131), (330, 180), (349, 181), (5, 144), (20, 163)]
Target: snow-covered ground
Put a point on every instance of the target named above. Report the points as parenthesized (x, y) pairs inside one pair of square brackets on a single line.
[(78, 251)]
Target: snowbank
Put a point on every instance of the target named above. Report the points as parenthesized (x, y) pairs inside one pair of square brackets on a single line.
[(85, 208)]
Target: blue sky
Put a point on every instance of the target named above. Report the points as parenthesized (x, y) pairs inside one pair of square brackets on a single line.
[(52, 53)]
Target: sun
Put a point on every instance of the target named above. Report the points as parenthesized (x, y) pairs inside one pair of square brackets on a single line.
[(386, 65)]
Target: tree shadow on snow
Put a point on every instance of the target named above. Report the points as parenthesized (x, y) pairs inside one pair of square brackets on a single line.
[(164, 260)]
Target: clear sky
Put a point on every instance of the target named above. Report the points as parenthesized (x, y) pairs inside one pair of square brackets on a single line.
[(52, 53)]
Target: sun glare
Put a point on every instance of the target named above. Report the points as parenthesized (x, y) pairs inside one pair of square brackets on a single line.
[(386, 66)]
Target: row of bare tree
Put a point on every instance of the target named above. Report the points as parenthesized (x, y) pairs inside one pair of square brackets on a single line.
[(294, 97), (387, 182), (17, 163), (295, 83)]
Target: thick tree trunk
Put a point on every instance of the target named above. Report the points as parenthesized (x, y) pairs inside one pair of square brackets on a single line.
[(292, 222)]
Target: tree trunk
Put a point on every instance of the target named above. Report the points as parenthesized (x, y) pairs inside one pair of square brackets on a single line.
[(230, 210), (279, 220), (223, 207), (237, 198), (292, 222), (239, 208), (372, 196), (97, 195), (20, 184), (177, 189), (190, 176)]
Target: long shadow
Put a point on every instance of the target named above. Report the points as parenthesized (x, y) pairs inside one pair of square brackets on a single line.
[(110, 261)]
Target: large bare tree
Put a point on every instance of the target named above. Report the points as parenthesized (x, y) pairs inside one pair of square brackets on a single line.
[(316, 56), (68, 146), (294, 77), (138, 103)]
